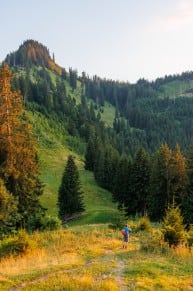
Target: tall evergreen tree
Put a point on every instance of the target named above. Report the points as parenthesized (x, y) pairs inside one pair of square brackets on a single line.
[(178, 177), (158, 197), (122, 185), (73, 78), (18, 154), (105, 167), (187, 201), (140, 181), (168, 180), (70, 199), (90, 154)]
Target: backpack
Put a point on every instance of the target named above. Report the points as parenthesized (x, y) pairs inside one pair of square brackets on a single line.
[(123, 231)]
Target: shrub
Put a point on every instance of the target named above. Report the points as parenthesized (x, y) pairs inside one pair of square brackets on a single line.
[(133, 225), (44, 223), (144, 224), (190, 236), (153, 242), (51, 223), (17, 245)]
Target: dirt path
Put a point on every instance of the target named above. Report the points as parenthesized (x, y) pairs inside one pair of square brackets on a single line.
[(117, 273), (41, 279), (119, 276)]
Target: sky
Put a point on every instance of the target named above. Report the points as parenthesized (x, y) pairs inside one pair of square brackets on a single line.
[(123, 40)]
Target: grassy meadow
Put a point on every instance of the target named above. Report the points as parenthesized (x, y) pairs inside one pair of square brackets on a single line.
[(91, 257)]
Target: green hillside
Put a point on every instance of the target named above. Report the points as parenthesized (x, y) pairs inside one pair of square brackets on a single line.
[(175, 89), (54, 147)]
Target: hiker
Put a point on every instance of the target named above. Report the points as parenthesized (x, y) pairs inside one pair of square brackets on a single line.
[(125, 231)]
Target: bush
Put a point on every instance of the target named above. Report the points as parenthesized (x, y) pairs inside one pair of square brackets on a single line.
[(133, 225), (51, 223), (144, 224), (44, 223), (17, 245), (190, 236), (153, 242)]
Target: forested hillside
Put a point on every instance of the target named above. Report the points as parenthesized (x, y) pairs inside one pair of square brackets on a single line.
[(145, 114), (141, 153)]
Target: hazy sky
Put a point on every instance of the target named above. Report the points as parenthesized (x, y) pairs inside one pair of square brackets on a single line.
[(118, 39)]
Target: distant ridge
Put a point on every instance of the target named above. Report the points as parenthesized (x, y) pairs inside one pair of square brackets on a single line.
[(32, 52)]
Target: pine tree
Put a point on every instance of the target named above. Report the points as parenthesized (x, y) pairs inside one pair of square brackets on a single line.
[(73, 78), (187, 201), (158, 197), (178, 177), (140, 180), (90, 155), (173, 228), (168, 181), (70, 199), (18, 154), (122, 185)]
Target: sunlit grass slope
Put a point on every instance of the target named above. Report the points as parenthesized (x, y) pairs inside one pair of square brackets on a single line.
[(92, 258), (54, 147), (108, 114)]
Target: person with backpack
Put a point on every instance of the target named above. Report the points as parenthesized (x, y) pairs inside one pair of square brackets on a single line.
[(125, 232)]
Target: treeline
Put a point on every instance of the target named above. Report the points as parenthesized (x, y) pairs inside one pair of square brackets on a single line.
[(153, 113), (145, 184)]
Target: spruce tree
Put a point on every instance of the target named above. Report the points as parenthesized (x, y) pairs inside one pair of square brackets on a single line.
[(173, 228), (178, 177), (90, 155), (187, 201), (122, 185), (168, 181), (70, 196), (140, 181), (158, 197)]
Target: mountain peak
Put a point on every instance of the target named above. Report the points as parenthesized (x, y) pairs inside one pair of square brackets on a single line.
[(32, 52)]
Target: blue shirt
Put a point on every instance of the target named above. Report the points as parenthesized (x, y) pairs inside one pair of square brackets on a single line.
[(127, 229)]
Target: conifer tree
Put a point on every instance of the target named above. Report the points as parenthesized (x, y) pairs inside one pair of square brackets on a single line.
[(99, 167), (178, 177), (90, 155), (18, 154), (158, 197), (122, 185), (70, 199), (140, 181), (187, 201), (173, 228), (168, 181)]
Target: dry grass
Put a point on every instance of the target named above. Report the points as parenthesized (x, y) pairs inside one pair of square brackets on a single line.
[(92, 258)]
